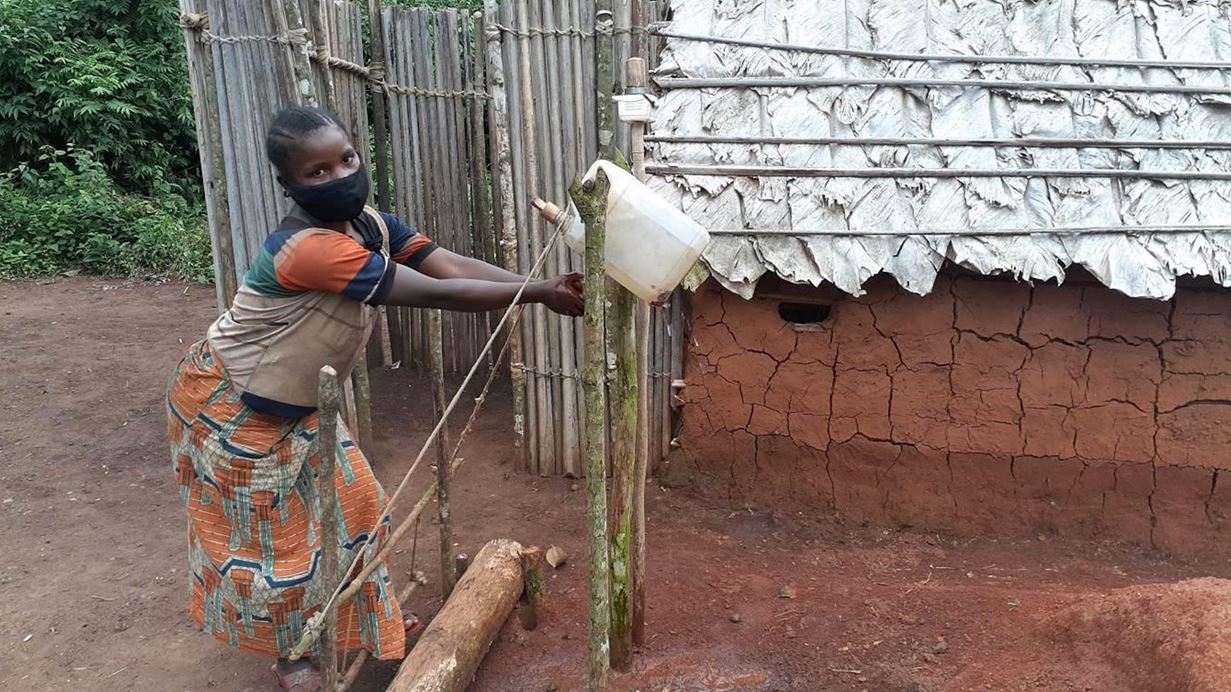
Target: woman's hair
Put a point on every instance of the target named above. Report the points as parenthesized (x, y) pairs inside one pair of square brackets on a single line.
[(290, 126)]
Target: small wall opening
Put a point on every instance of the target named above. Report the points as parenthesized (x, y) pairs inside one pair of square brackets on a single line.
[(803, 313)]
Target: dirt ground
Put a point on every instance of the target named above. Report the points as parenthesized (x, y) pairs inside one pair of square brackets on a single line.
[(93, 593)]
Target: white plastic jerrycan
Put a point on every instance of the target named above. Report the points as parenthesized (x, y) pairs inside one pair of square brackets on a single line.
[(651, 245)]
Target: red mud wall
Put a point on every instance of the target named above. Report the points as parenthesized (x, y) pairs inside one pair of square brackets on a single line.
[(986, 406)]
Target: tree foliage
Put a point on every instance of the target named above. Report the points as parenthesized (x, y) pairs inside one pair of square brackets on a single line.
[(62, 212), (106, 76)]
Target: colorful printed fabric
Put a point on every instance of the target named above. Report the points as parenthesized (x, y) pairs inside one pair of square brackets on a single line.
[(248, 480), (316, 259)]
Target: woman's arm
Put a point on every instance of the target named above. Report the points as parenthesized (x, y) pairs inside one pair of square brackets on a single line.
[(442, 264), (410, 288)]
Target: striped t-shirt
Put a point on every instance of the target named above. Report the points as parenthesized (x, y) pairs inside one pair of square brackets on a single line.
[(299, 260)]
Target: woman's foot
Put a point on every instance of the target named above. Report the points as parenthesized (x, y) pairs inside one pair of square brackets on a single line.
[(298, 676)]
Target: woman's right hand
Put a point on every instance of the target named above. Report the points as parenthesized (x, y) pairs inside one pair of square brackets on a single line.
[(563, 294)]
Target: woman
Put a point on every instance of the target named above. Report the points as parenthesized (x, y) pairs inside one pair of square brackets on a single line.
[(241, 405)]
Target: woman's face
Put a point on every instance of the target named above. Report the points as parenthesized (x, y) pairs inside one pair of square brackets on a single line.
[(322, 156)]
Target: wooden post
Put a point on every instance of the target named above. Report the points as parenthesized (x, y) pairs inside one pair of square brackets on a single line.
[(502, 171), (320, 37), (213, 167), (625, 403), (443, 448), (604, 82), (545, 411), (453, 645), (389, 334), (380, 106), (327, 449), (591, 201), (638, 79), (361, 386), (532, 593), (291, 18)]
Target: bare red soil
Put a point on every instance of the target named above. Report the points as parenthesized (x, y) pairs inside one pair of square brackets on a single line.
[(92, 590)]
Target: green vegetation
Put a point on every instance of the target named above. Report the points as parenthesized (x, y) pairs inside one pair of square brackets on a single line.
[(63, 212), (98, 156), (98, 169), (103, 75)]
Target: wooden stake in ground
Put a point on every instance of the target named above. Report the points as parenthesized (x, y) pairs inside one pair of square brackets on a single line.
[(590, 199), (451, 648), (638, 79), (625, 403), (443, 467), (532, 595), (327, 441), (502, 172)]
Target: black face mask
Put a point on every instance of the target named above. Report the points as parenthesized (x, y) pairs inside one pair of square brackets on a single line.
[(337, 200)]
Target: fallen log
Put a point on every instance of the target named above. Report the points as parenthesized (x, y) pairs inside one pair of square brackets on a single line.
[(449, 652)]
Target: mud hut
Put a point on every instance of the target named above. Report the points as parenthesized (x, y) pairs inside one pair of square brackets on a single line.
[(969, 263)]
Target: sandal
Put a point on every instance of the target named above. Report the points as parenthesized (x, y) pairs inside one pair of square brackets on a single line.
[(304, 679)]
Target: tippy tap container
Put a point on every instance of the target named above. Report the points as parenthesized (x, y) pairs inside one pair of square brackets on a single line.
[(651, 245)]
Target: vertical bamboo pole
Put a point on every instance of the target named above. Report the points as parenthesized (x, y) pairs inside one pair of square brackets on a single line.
[(502, 171), (624, 407), (637, 79), (546, 127), (244, 107), (604, 83), (446, 41), (591, 201), (293, 19), (511, 55), (558, 89), (320, 36), (544, 402), (227, 174), (582, 137), (209, 138), (622, 20), (360, 416), (361, 383), (443, 449), (390, 332), (327, 446), (380, 105), (432, 156), (480, 188)]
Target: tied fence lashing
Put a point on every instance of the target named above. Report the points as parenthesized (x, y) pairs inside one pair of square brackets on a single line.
[(319, 53)]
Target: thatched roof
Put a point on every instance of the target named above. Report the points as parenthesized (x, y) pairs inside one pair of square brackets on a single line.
[(1136, 263)]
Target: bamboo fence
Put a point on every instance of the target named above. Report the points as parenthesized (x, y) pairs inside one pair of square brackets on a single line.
[(437, 136), (241, 67), (546, 52)]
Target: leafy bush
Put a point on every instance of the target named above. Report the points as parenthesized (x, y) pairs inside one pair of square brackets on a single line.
[(62, 212), (104, 75)]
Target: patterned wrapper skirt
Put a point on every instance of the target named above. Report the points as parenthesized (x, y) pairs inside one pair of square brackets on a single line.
[(248, 481)]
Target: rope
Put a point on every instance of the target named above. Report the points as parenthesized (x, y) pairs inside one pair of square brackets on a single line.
[(312, 629), (199, 23)]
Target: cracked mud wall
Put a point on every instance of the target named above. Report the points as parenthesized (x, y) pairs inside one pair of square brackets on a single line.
[(986, 406)]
